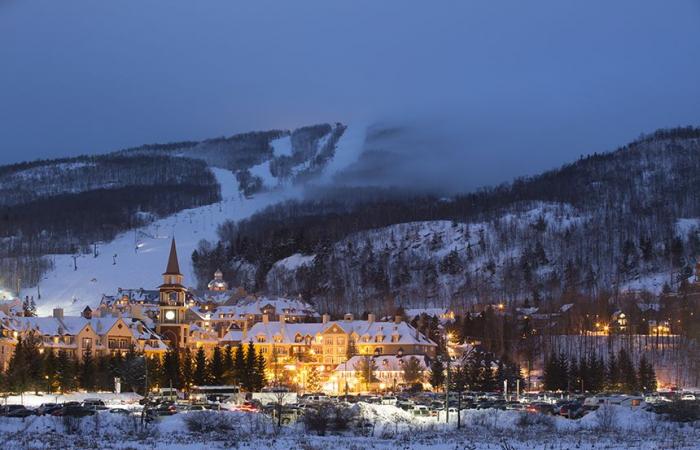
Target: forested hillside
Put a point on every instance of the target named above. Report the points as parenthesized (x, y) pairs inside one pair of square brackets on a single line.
[(261, 160), (608, 221), (68, 205)]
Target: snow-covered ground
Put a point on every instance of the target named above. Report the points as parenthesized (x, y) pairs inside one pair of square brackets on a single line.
[(282, 146), (141, 255), (393, 428)]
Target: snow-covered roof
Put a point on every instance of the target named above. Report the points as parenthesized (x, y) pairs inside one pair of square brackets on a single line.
[(254, 306), (72, 325), (391, 363), (437, 312), (366, 331), (528, 311), (233, 336)]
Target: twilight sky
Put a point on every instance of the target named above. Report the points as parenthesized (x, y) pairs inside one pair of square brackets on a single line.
[(496, 88)]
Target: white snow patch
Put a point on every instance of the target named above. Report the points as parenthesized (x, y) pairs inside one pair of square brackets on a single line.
[(295, 261), (282, 146), (263, 172)]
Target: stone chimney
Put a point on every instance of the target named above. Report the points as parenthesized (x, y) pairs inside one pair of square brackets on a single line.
[(245, 331), (370, 318), (266, 319), (397, 319), (326, 318), (283, 321), (348, 317), (58, 313)]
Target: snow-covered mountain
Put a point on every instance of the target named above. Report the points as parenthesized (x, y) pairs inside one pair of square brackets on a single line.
[(608, 223)]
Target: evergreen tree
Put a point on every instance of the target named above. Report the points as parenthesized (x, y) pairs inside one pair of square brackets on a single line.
[(133, 371), (104, 378), (248, 380), (647, 375), (216, 367), (155, 372), (596, 379), (35, 363), (551, 373), (260, 380), (16, 376), (171, 370), (65, 371), (229, 375), (366, 369), (187, 369), (86, 377), (51, 371), (437, 374), (201, 374), (612, 374), (563, 381), (238, 365), (412, 371), (628, 374)]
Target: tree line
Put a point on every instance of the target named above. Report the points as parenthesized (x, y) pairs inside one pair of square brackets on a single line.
[(592, 374), (32, 369)]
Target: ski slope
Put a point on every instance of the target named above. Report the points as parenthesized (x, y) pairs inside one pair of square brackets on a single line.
[(141, 254)]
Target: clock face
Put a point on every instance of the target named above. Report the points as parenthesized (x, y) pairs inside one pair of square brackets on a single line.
[(170, 315)]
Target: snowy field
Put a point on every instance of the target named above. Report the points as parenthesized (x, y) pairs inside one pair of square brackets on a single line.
[(392, 428)]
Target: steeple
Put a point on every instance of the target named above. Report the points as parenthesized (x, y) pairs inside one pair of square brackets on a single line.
[(173, 265)]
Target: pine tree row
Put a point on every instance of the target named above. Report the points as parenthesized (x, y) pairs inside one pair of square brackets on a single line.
[(31, 369), (593, 374)]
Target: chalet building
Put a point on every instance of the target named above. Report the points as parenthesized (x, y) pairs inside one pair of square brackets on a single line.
[(77, 334), (138, 303), (329, 343), (388, 369)]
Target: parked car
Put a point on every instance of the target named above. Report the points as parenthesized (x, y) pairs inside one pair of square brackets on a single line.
[(73, 411), (47, 408), (406, 405), (541, 408), (123, 411), (421, 411), (571, 410), (250, 406), (6, 410), (94, 403), (389, 400), (19, 411)]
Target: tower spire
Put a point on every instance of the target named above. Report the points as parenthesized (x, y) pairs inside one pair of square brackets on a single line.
[(173, 264)]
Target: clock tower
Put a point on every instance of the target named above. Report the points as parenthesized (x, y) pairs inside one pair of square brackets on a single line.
[(173, 303)]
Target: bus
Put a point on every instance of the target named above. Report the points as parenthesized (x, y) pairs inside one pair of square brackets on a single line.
[(215, 394)]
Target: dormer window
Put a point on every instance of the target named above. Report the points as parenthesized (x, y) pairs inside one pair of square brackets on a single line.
[(261, 339)]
